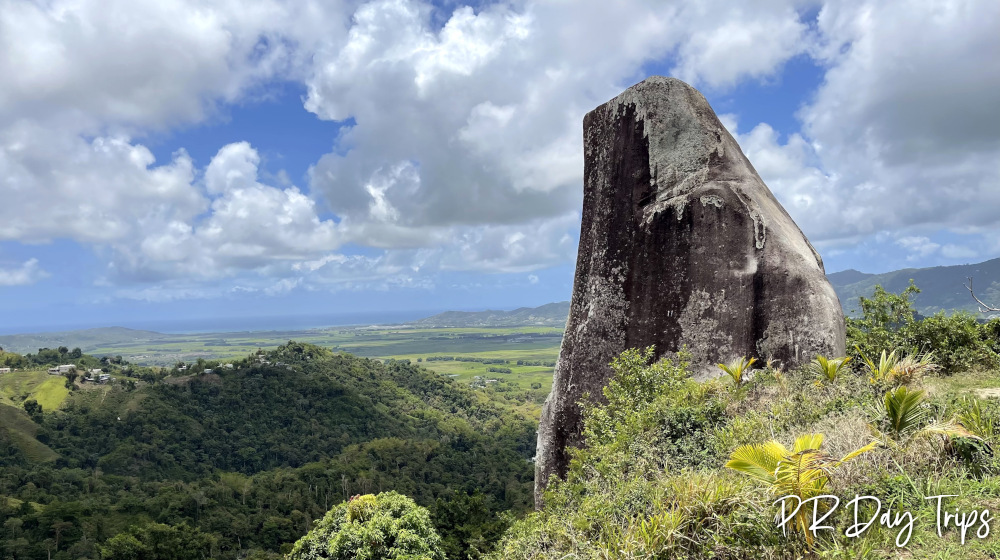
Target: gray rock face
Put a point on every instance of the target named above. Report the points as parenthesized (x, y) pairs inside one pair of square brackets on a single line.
[(681, 243)]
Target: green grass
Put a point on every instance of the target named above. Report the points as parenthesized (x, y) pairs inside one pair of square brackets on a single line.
[(49, 390), (51, 393), (17, 426), (962, 383)]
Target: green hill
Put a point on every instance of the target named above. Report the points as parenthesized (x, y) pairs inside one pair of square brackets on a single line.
[(246, 457), (942, 288)]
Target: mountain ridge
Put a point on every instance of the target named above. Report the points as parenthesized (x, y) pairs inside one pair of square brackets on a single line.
[(942, 289)]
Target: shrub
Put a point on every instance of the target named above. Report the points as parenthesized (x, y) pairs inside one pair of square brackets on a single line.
[(388, 526), (958, 341)]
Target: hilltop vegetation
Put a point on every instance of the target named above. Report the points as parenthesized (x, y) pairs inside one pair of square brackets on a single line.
[(208, 461), (243, 459), (673, 468)]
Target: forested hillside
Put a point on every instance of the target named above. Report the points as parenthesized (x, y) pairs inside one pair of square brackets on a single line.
[(238, 460), (942, 287)]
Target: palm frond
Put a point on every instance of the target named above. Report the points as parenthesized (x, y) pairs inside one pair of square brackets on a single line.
[(737, 368), (807, 441), (904, 410), (759, 461), (828, 368)]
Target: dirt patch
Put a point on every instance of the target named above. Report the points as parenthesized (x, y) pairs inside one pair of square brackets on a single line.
[(988, 393)]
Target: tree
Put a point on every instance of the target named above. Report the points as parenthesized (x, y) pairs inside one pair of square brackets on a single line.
[(983, 308), (388, 526), (156, 541), (32, 407)]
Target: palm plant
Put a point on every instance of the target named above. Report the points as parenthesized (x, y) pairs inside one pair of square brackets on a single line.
[(828, 368), (898, 370), (737, 368), (904, 410), (912, 367), (803, 471), (879, 372), (975, 421), (905, 414)]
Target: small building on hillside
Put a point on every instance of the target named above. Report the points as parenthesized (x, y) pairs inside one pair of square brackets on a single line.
[(59, 370), (4, 370), (104, 378)]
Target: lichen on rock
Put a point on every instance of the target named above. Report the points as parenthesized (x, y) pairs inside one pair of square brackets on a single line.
[(681, 243)]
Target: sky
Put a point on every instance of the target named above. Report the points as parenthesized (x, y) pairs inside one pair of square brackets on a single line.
[(181, 161)]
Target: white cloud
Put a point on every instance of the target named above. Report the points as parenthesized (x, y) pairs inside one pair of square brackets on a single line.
[(248, 226), (905, 124), (484, 113), (466, 152), (97, 63), (740, 40), (918, 246), (27, 273), (57, 185), (957, 252)]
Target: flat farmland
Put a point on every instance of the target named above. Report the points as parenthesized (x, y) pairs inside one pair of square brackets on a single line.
[(457, 352)]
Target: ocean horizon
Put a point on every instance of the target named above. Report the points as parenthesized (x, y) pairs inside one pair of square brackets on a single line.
[(234, 324)]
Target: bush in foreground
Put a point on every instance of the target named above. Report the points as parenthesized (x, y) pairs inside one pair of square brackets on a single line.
[(386, 526)]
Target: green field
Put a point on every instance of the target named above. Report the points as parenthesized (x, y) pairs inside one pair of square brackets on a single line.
[(20, 430), (536, 344), (49, 390)]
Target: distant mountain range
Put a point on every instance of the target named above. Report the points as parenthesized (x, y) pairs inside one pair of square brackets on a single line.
[(548, 315), (86, 339), (942, 288)]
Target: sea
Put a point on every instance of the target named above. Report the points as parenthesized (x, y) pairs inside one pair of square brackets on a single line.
[(234, 324)]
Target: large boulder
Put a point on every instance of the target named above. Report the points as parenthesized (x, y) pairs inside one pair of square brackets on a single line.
[(682, 244)]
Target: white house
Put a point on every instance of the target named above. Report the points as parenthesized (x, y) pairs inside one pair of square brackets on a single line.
[(4, 370)]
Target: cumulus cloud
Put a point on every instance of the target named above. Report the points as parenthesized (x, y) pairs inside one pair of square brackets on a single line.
[(28, 272), (477, 121), (248, 225), (90, 64), (464, 151), (903, 134), (59, 185)]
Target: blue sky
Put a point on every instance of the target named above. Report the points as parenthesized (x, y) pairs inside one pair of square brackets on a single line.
[(396, 158)]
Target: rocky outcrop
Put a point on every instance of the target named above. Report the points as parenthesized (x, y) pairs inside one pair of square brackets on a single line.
[(682, 244)]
